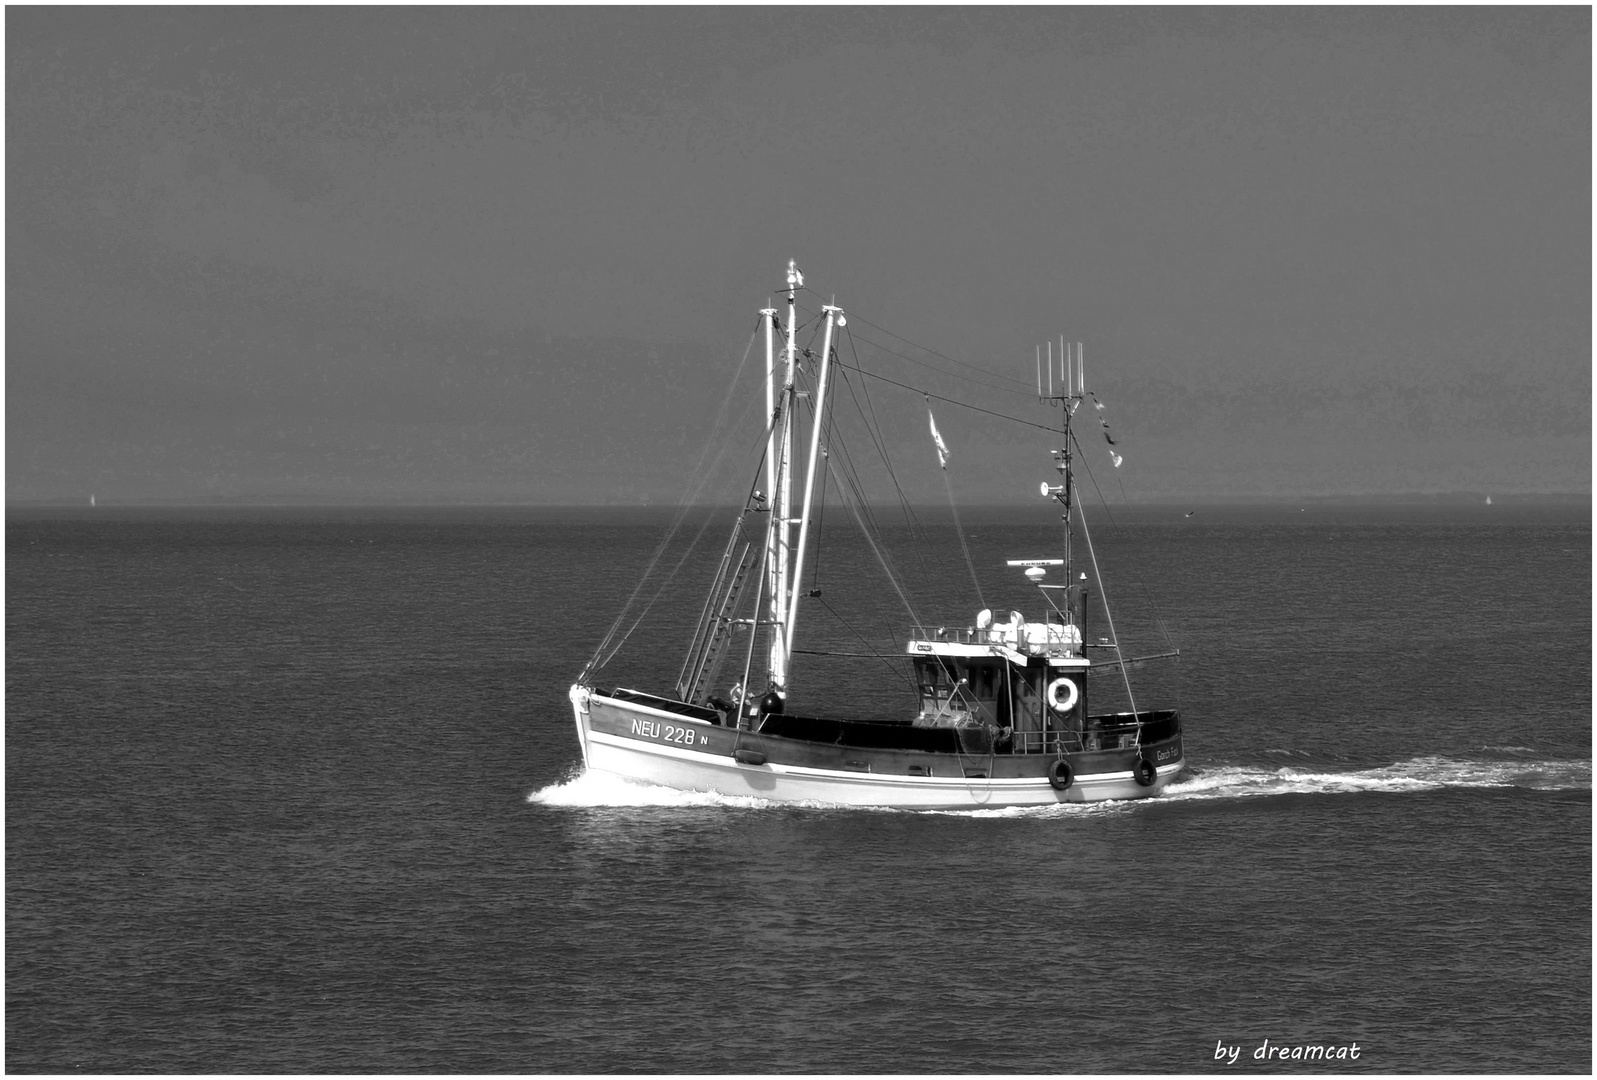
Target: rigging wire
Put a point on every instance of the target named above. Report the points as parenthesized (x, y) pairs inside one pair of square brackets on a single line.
[(740, 692), (881, 557), (948, 487), (873, 429), (669, 577), (896, 669), (820, 517), (823, 447), (698, 480), (952, 401), (1110, 619), (942, 356), (777, 414), (874, 426), (1158, 618), (879, 347), (848, 468), (917, 529), (1142, 586), (849, 483)]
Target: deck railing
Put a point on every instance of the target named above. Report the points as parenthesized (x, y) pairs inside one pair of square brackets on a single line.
[(1049, 638), (1118, 732)]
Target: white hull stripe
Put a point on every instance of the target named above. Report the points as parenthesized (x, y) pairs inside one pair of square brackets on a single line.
[(719, 761), (767, 780)]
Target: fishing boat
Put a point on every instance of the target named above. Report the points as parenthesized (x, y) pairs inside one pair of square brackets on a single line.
[(1000, 716)]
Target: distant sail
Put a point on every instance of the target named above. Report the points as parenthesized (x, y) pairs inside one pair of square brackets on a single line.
[(1488, 500), (91, 500)]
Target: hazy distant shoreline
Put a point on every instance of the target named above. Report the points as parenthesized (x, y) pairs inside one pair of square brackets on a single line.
[(1196, 502)]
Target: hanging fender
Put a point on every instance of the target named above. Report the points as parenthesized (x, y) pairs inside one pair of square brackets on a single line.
[(1068, 689), (1145, 772), (1059, 774)]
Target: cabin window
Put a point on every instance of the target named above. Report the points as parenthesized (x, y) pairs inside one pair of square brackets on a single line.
[(983, 687), (951, 686), (1029, 708), (932, 674), (937, 680)]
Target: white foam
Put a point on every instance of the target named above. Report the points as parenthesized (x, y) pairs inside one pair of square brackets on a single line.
[(590, 788), (598, 789), (1052, 810), (1416, 774)]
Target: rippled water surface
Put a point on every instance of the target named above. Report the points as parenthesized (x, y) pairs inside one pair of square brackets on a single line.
[(295, 790)]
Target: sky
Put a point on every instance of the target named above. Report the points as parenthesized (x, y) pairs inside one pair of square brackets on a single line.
[(515, 254)]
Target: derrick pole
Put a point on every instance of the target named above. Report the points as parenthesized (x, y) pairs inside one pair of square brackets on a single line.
[(834, 316), (782, 507)]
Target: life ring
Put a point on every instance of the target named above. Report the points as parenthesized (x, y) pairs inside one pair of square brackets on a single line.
[(1059, 774), (1145, 771), (1070, 698)]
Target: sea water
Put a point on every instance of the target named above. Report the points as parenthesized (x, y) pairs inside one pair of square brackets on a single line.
[(299, 791)]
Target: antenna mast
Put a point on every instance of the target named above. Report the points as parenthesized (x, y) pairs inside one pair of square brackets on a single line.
[(1071, 392)]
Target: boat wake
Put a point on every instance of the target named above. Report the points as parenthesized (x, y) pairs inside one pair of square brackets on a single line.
[(599, 790), (1416, 774)]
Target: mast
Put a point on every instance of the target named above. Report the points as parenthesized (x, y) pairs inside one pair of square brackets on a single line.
[(773, 443), (713, 634), (1076, 394), (778, 562), (1070, 395), (834, 316), (769, 315)]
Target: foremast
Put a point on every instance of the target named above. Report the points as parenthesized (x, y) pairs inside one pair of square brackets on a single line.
[(776, 603), (779, 457), (784, 564)]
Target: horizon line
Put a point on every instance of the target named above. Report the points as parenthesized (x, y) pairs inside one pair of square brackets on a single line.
[(375, 502)]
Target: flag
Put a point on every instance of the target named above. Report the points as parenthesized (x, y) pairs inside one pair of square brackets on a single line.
[(1107, 437), (942, 447)]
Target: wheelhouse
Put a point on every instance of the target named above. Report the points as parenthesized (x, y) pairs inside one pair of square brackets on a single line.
[(1024, 681)]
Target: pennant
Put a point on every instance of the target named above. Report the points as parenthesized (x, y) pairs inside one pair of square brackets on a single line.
[(1105, 424), (942, 447)]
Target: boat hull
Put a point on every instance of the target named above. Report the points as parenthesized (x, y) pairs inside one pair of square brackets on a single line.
[(631, 739)]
